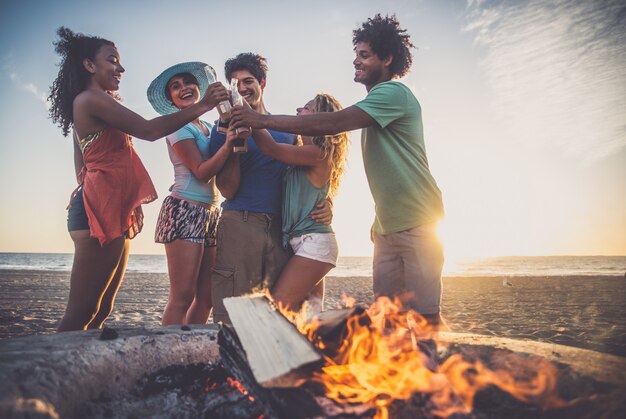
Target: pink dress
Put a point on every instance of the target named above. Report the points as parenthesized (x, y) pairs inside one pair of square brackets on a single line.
[(115, 184)]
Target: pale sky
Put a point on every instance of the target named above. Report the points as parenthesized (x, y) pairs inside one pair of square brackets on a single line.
[(524, 107)]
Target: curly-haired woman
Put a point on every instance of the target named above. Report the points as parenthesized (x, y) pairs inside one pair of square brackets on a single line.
[(105, 209)]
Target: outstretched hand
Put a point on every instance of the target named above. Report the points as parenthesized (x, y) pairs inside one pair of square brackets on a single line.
[(215, 93), (245, 116)]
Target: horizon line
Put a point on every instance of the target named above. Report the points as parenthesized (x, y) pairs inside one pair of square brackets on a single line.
[(369, 255)]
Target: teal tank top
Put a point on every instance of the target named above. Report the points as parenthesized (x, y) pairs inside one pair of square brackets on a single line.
[(299, 198)]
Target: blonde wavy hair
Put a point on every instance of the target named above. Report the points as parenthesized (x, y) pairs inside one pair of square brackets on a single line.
[(335, 146)]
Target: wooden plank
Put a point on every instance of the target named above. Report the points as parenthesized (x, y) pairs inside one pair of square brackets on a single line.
[(274, 348)]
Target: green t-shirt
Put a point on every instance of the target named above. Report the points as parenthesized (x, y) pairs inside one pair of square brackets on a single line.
[(405, 193)]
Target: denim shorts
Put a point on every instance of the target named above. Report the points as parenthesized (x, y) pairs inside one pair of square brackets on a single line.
[(76, 215), (317, 246), (183, 220)]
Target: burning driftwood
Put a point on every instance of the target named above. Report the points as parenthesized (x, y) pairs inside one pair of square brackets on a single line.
[(270, 356), (275, 362), (382, 362), (76, 374)]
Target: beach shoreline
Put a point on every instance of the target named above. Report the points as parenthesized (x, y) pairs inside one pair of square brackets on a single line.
[(580, 311)]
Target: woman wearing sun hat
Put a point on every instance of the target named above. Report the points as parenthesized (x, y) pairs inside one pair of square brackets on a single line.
[(188, 219)]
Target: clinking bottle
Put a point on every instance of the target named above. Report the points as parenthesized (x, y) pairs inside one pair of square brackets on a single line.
[(223, 108), (240, 145)]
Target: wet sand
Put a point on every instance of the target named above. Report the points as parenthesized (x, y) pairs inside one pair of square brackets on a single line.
[(581, 311)]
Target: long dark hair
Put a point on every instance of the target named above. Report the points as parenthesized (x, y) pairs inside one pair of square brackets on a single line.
[(73, 77)]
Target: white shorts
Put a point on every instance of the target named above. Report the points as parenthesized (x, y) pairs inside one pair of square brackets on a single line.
[(317, 246)]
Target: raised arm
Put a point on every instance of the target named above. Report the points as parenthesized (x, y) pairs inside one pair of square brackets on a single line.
[(92, 109), (307, 155), (322, 123), (204, 170), (227, 180)]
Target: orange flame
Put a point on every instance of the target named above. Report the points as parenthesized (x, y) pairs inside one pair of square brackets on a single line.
[(389, 359)]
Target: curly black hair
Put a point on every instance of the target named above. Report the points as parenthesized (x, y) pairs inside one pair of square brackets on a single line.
[(254, 63), (73, 77), (386, 38)]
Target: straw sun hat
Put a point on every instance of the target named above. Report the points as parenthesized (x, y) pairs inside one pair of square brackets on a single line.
[(203, 72)]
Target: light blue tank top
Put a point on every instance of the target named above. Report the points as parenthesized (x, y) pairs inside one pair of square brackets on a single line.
[(299, 198), (186, 184)]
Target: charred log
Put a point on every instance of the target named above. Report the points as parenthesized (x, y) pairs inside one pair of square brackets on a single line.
[(333, 327), (235, 361)]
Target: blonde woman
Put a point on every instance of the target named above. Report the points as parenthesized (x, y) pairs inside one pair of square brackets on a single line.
[(316, 168)]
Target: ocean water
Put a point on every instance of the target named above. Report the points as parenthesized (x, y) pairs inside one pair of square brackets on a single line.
[(362, 266)]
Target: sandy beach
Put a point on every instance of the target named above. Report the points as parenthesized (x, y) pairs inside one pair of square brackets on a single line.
[(581, 311)]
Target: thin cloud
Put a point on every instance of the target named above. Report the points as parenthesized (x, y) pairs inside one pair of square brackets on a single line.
[(556, 70), (31, 88)]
